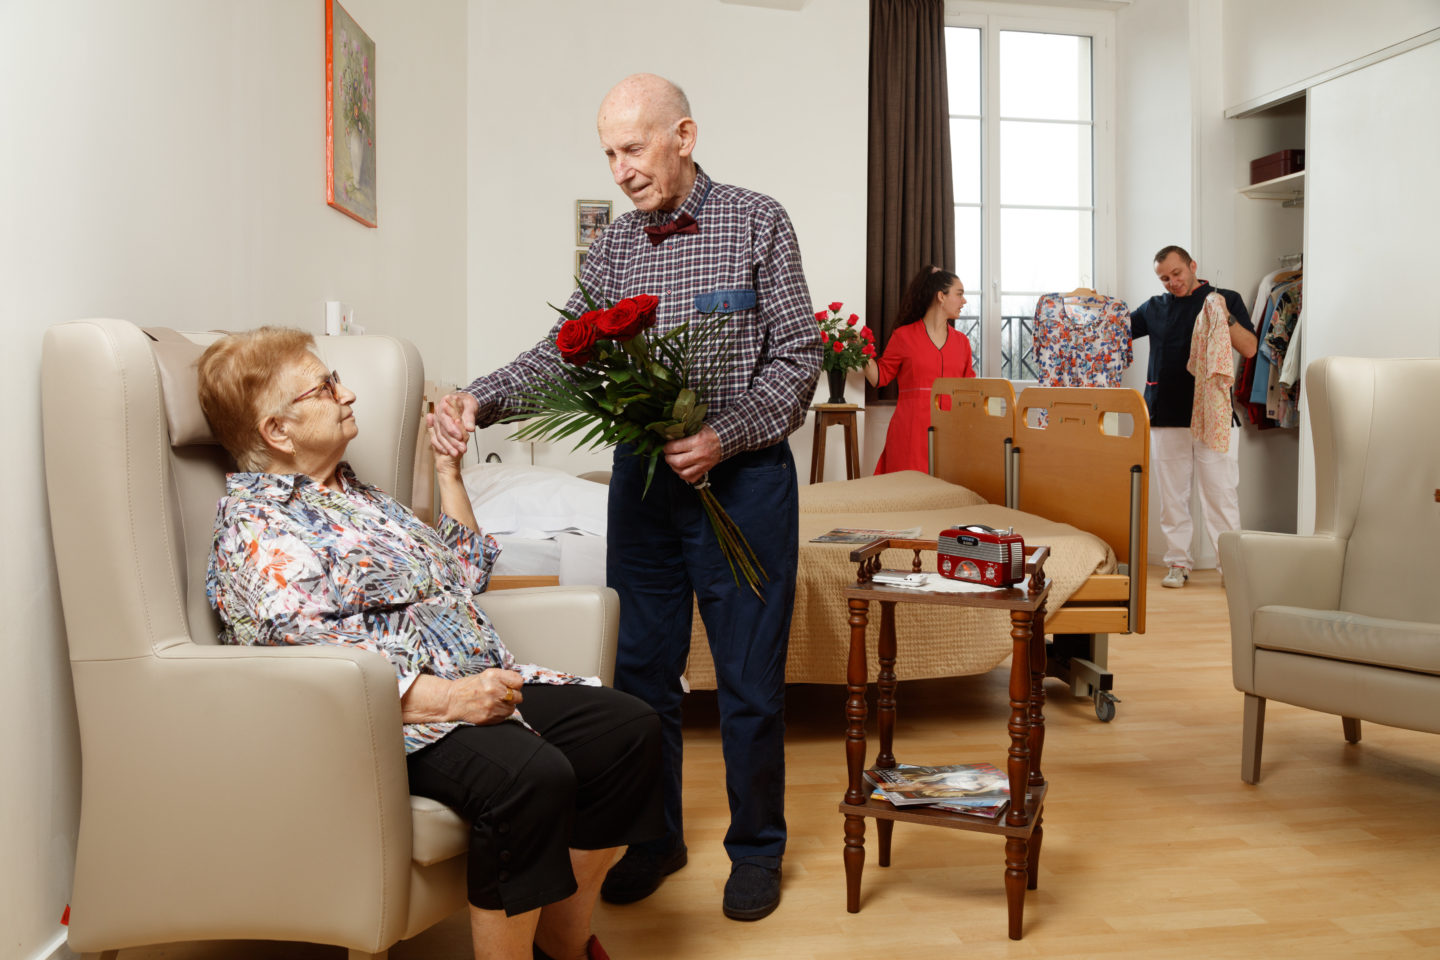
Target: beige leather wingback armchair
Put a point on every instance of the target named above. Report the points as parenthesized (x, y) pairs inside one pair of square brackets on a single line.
[(1347, 621), (239, 792)]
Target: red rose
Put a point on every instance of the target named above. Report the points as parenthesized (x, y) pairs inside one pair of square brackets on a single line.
[(576, 341), (821, 315), (824, 337), (835, 307), (854, 319), (867, 351), (646, 304), (868, 334), (839, 347), (620, 322)]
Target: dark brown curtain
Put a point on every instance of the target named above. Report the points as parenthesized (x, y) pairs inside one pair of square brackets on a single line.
[(911, 218)]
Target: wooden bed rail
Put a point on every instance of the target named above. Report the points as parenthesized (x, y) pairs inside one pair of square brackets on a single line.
[(1077, 455)]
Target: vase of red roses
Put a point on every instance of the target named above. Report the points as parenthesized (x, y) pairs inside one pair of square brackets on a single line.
[(620, 382), (847, 346)]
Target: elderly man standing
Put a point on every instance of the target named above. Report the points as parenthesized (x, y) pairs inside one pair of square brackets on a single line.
[(701, 247)]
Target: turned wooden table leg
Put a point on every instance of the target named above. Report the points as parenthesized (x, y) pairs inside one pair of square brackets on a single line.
[(1034, 854), (1017, 861), (855, 711), (1017, 857), (1037, 700), (885, 687)]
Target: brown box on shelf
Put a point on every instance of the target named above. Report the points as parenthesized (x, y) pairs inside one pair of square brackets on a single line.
[(1276, 165)]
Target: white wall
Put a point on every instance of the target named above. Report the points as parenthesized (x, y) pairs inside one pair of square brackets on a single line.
[(1371, 215), (781, 101), (1182, 64), (1275, 44), (1373, 204), (163, 161), (1154, 168)]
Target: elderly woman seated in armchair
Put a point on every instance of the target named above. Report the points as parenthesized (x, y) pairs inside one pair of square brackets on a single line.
[(554, 772)]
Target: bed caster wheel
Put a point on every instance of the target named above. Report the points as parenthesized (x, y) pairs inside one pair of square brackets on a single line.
[(1105, 705)]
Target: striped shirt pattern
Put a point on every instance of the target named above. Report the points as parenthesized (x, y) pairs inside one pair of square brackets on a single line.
[(744, 260)]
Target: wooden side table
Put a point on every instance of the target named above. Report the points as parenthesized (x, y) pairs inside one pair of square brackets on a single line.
[(826, 415), (1020, 824)]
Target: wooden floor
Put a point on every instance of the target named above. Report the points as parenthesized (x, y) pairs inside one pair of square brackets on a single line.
[(1153, 846)]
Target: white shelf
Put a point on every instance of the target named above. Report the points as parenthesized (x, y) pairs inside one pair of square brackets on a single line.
[(1289, 187)]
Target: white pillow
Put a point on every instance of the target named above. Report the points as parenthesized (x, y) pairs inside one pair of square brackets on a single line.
[(534, 502)]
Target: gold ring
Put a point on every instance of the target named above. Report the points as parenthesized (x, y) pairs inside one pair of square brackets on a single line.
[(509, 695)]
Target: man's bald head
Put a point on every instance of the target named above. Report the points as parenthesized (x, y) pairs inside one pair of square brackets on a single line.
[(648, 136), (657, 99)]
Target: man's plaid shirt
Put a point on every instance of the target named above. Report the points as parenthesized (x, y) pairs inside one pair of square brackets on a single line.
[(744, 261)]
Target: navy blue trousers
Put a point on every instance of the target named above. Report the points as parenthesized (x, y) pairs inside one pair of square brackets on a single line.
[(661, 552)]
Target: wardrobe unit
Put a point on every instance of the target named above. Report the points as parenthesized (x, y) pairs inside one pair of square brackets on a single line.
[(1269, 221)]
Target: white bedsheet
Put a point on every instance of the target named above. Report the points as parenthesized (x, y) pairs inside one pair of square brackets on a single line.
[(526, 556), (575, 558)]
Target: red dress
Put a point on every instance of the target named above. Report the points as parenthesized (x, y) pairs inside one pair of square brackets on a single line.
[(915, 357)]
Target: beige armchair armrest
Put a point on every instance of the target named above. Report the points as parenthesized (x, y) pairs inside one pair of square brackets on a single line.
[(572, 628), (1265, 569), (246, 788)]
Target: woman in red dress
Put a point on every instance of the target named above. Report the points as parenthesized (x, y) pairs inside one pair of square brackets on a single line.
[(922, 347)]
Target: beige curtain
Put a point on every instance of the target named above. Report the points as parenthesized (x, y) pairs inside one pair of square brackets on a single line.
[(911, 217)]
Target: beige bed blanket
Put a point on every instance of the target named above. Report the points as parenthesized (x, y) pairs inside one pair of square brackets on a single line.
[(934, 641)]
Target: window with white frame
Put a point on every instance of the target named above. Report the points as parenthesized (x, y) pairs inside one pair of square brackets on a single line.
[(1029, 142)]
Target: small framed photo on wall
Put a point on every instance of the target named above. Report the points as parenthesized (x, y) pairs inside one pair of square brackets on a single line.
[(580, 262), (591, 219)]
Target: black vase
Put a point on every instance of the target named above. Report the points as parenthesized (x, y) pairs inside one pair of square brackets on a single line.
[(837, 385)]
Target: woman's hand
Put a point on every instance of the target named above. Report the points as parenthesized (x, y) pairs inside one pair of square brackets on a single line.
[(449, 452), (487, 697), (449, 457), (483, 698), (455, 419)]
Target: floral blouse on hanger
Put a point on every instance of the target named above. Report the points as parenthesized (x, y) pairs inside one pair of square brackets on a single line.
[(1083, 342)]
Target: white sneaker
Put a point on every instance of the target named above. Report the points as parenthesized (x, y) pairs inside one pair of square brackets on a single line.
[(1176, 577)]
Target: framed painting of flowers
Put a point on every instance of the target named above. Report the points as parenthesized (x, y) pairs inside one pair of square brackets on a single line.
[(349, 116)]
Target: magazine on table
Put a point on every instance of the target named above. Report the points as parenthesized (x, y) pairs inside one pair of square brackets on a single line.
[(858, 535), (956, 785), (988, 809)]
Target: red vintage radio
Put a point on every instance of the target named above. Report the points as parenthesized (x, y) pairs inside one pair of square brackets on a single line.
[(979, 554)]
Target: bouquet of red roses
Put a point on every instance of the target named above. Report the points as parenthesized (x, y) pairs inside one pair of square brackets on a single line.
[(621, 384)]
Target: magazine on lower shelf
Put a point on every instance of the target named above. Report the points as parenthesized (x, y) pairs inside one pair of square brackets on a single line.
[(990, 810), (955, 786)]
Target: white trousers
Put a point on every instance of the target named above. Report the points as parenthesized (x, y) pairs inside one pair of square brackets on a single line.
[(1175, 458)]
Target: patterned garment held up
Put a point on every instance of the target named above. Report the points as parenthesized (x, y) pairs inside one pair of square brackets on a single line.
[(1082, 342), (1212, 364)]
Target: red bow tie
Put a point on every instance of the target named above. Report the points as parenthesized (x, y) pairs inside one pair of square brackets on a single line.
[(681, 224)]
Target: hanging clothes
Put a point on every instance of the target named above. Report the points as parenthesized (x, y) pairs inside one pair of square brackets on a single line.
[(1283, 400), (1263, 389), (1212, 364), (1082, 341)]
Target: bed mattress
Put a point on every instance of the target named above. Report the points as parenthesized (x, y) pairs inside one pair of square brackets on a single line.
[(933, 641)]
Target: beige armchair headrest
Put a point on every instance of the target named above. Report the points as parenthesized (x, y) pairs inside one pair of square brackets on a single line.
[(176, 355)]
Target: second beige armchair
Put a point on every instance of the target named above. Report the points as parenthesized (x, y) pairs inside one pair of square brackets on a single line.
[(1347, 621)]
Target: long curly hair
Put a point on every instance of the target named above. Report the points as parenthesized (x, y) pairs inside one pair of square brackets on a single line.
[(921, 293)]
